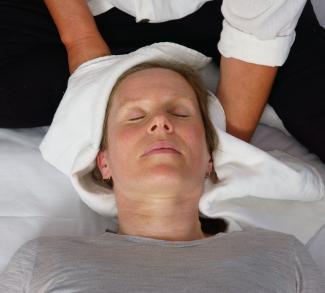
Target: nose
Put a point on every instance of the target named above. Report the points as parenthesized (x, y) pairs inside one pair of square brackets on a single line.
[(160, 123)]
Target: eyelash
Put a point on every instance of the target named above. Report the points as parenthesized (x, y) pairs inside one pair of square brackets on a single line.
[(138, 118)]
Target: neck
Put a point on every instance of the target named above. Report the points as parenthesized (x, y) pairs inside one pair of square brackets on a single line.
[(160, 220)]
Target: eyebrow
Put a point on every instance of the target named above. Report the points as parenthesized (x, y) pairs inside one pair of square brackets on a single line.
[(129, 103)]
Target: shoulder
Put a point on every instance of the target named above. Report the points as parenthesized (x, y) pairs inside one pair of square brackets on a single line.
[(44, 246), (51, 242), (264, 234), (267, 241)]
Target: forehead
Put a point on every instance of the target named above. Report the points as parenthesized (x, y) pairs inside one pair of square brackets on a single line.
[(152, 81)]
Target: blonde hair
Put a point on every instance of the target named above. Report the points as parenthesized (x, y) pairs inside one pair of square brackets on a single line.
[(202, 97)]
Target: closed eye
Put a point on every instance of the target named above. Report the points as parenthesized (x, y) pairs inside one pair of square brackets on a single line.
[(137, 118), (174, 114), (179, 115)]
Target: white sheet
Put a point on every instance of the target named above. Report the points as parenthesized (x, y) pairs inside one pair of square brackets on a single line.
[(72, 144), (36, 199)]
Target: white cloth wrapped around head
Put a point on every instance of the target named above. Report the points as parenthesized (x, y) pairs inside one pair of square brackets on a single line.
[(73, 139)]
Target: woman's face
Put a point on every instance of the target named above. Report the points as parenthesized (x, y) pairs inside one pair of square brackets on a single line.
[(155, 108)]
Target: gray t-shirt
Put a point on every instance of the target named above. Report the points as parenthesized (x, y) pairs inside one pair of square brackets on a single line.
[(252, 260)]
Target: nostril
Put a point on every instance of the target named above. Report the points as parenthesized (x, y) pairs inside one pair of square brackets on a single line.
[(155, 126), (162, 124)]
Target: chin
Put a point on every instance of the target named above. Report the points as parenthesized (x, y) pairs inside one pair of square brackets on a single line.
[(169, 180), (166, 172)]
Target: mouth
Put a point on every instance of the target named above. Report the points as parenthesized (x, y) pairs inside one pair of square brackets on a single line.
[(162, 151), (162, 147)]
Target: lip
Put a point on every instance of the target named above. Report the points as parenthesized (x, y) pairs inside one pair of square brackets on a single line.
[(161, 147)]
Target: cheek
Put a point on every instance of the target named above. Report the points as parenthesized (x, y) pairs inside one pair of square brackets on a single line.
[(121, 143), (124, 137), (194, 135), (198, 155)]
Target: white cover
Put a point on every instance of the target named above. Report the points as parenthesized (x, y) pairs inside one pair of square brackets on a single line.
[(35, 198), (72, 143)]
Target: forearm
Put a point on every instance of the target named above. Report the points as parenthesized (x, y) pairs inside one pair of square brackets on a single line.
[(73, 19), (243, 91), (78, 30)]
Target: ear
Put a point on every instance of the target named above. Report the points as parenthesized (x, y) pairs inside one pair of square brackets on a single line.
[(102, 164)]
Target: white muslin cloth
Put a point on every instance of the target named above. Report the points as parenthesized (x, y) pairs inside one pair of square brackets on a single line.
[(254, 185)]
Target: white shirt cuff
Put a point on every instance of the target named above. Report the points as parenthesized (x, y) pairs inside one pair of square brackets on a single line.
[(98, 6), (237, 44)]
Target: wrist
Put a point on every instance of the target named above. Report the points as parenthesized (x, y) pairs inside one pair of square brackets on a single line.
[(82, 39), (83, 50)]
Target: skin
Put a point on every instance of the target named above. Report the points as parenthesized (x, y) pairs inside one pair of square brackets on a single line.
[(243, 100), (77, 30), (157, 195)]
